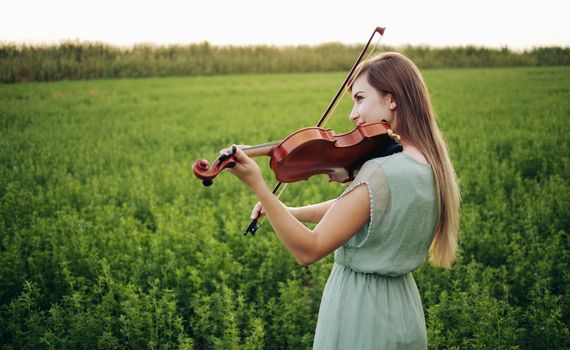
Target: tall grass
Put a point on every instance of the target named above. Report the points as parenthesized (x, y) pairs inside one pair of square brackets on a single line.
[(107, 241)]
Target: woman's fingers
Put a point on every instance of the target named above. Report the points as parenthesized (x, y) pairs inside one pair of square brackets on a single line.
[(229, 149), (225, 151), (257, 211)]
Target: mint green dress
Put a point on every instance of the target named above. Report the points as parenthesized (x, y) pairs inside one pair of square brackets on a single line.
[(370, 300)]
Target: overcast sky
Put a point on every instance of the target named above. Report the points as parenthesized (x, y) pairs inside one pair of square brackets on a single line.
[(516, 24)]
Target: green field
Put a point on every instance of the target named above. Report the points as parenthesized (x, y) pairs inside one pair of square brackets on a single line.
[(108, 241)]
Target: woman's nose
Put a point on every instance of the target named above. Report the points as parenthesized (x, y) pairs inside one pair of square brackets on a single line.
[(354, 115)]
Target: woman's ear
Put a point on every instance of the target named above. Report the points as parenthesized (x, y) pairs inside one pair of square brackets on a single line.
[(391, 102)]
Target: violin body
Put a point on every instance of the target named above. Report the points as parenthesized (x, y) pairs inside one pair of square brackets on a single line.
[(312, 151)]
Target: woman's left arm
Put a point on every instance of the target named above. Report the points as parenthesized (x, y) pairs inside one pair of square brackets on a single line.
[(344, 218)]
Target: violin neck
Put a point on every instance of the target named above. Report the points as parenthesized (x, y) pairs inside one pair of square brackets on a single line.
[(262, 149)]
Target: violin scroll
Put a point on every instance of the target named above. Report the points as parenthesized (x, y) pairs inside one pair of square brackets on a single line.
[(201, 168)]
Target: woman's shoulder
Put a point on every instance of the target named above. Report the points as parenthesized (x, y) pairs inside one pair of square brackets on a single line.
[(402, 169), (398, 160), (398, 167)]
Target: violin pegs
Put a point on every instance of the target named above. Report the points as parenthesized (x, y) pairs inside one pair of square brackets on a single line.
[(225, 156), (207, 183)]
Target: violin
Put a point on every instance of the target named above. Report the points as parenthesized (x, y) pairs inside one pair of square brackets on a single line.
[(311, 151), (302, 154)]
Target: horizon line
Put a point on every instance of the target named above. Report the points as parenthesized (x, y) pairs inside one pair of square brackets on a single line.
[(56, 42)]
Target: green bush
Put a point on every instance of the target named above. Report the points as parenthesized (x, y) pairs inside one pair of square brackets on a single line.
[(107, 241)]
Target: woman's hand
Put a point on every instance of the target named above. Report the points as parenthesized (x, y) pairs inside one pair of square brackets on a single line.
[(246, 169), (257, 211)]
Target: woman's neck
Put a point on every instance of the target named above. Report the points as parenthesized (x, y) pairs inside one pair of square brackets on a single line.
[(412, 151)]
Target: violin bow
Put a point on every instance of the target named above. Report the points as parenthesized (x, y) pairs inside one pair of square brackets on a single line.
[(254, 225)]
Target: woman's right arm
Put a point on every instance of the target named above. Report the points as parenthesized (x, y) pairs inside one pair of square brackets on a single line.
[(309, 213)]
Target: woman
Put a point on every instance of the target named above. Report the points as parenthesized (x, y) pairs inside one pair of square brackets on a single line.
[(382, 226)]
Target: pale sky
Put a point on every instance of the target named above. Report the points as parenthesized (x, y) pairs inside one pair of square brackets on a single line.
[(491, 23)]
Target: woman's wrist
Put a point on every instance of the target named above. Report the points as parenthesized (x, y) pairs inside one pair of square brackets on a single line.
[(259, 188)]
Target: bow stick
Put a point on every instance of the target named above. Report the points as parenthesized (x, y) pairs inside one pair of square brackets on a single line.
[(254, 225)]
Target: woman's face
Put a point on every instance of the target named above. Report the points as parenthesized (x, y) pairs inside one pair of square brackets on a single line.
[(370, 105)]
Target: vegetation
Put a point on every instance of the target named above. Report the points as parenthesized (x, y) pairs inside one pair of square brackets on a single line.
[(107, 241), (77, 60)]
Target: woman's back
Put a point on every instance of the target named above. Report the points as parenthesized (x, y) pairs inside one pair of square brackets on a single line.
[(403, 215), (371, 300)]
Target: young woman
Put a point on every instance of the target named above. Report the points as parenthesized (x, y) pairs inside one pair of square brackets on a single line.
[(397, 209)]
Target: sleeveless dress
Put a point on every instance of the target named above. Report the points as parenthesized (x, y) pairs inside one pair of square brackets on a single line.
[(370, 300)]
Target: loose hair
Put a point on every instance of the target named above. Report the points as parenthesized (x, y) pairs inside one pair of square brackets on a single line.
[(397, 75)]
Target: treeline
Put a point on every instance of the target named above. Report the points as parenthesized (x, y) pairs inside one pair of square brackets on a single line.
[(84, 60)]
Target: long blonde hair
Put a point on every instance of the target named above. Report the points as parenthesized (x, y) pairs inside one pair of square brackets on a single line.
[(396, 74)]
